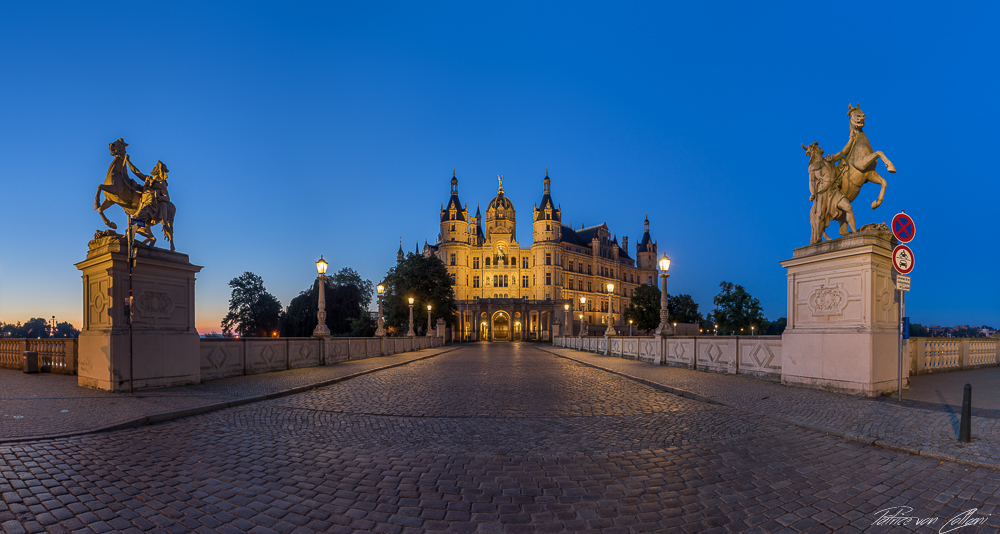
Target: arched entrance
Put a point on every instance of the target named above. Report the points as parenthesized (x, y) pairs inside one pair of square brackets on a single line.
[(501, 326)]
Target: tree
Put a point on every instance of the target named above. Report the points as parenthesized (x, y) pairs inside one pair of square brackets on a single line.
[(919, 330), (777, 327), (735, 309), (34, 328), (644, 307), (683, 309), (252, 310), (347, 297), (428, 282)]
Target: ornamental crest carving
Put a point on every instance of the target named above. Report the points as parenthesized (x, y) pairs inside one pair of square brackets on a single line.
[(154, 304), (828, 300)]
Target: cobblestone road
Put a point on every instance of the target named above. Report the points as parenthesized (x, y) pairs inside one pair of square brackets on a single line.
[(487, 438)]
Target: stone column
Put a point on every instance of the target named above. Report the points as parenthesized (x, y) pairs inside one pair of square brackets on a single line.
[(165, 343), (842, 315)]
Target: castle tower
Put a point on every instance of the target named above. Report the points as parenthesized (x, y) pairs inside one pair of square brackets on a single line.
[(501, 219), (454, 218), (547, 233), (645, 251), (547, 218)]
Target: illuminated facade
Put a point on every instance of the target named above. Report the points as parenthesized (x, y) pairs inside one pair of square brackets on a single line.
[(506, 291)]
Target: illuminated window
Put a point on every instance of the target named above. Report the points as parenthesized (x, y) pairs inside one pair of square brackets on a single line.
[(475, 262), (453, 259)]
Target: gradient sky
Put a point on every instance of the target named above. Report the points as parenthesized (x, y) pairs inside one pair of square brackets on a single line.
[(297, 130)]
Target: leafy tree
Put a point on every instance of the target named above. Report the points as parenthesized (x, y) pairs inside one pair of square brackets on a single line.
[(65, 329), (777, 327), (919, 330), (34, 328), (428, 282), (683, 309), (735, 309), (347, 297), (644, 307), (252, 310)]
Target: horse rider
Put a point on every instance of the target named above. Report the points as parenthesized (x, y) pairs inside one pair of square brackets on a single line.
[(154, 191)]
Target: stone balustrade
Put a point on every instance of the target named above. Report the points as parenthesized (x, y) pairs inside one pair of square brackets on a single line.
[(758, 356), (938, 354), (55, 355), (225, 357)]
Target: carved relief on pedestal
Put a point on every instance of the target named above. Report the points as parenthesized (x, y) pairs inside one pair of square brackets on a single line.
[(151, 304), (828, 300)]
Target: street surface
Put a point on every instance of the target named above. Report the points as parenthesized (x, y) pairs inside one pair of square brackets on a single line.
[(486, 438)]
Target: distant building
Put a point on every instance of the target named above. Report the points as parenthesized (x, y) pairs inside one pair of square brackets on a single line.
[(506, 291)]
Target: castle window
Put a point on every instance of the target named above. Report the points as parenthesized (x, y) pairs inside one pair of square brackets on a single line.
[(612, 272), (475, 262), (524, 281), (590, 269), (548, 217), (548, 259), (525, 263), (495, 280), (579, 268), (650, 280), (453, 227), (452, 278), (579, 285), (487, 261), (589, 287), (475, 281), (453, 259), (548, 279), (548, 228), (570, 265)]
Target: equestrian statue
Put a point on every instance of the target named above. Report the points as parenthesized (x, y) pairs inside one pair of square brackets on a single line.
[(836, 180), (149, 203)]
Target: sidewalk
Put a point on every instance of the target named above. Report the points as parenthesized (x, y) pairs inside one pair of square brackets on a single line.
[(42, 406), (881, 422)]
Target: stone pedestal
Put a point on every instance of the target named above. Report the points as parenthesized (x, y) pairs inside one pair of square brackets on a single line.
[(843, 316), (165, 343)]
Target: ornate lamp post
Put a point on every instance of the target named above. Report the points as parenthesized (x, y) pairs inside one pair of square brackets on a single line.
[(583, 300), (410, 332), (630, 328), (429, 334), (664, 329), (611, 329), (566, 321), (380, 332), (321, 329)]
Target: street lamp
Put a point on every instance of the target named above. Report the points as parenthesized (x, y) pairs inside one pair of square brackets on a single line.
[(630, 328), (583, 300), (611, 329), (321, 329), (429, 334), (410, 332), (664, 328), (716, 329), (566, 321), (380, 332)]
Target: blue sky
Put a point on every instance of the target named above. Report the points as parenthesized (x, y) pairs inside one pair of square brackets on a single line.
[(294, 131)]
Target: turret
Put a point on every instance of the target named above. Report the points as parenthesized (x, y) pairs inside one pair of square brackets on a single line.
[(547, 218), (645, 251), (454, 218)]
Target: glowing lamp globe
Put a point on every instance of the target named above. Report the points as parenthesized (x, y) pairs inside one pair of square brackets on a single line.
[(380, 288), (321, 265), (664, 263)]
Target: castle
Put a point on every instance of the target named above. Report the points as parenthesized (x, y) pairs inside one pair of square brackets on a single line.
[(506, 291)]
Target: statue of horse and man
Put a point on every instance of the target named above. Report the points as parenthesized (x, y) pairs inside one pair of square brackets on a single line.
[(836, 180), (148, 203)]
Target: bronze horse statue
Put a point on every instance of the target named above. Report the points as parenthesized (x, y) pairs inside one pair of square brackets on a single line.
[(146, 203), (856, 164)]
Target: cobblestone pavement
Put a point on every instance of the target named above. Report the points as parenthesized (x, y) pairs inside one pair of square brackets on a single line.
[(881, 421), (46, 405), (487, 438)]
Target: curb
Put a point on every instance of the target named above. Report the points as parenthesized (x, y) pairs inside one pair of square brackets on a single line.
[(850, 436), (199, 410)]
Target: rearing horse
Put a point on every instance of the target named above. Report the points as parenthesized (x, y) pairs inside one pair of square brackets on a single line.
[(118, 188), (856, 164)]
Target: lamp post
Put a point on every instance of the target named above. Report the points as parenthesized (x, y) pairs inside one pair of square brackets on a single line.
[(583, 300), (380, 332), (664, 329), (611, 329), (429, 334), (630, 328), (321, 329), (716, 329), (566, 321), (410, 332)]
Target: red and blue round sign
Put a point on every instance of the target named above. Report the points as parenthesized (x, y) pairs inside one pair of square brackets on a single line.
[(903, 227)]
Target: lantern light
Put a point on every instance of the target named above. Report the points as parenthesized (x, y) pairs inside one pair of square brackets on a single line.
[(321, 265), (664, 263)]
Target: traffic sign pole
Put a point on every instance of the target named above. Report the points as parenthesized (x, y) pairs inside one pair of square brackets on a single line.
[(904, 229)]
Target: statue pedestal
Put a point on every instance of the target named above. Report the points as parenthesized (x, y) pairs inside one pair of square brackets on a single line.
[(843, 318), (165, 343)]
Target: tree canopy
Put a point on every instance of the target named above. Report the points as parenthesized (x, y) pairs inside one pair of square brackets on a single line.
[(735, 309), (644, 307), (428, 282), (683, 309), (347, 298), (252, 310), (37, 327)]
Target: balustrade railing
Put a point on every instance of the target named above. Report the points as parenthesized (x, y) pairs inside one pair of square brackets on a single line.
[(58, 355)]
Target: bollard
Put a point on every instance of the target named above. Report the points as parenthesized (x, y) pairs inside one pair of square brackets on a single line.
[(965, 431)]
